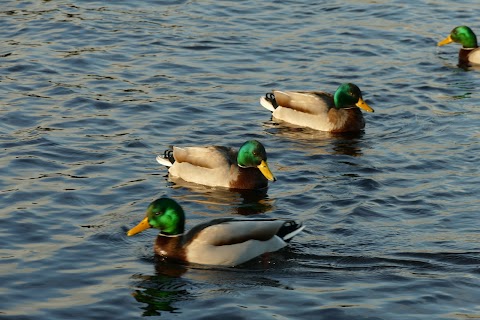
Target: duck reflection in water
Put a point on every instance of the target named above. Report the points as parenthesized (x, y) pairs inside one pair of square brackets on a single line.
[(173, 282), (160, 291), (314, 141), (226, 201)]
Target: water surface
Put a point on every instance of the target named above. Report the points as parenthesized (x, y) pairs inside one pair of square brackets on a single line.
[(92, 91)]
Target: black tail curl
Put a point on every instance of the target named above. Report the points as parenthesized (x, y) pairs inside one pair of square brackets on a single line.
[(270, 97), (287, 228), (168, 154)]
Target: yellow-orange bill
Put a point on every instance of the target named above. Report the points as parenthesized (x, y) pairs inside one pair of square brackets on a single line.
[(143, 225), (445, 41), (265, 170), (363, 105)]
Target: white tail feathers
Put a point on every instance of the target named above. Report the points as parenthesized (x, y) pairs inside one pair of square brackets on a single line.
[(160, 159), (266, 104)]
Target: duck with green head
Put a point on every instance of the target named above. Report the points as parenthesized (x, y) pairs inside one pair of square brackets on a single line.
[(218, 166), (318, 110), (470, 52), (222, 242)]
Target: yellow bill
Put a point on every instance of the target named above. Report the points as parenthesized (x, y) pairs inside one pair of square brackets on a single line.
[(445, 41), (143, 225), (363, 105), (265, 170)]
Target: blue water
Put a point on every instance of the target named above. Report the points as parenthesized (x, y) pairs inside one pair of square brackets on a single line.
[(92, 91)]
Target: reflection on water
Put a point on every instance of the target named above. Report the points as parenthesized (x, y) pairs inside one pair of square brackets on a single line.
[(158, 292), (463, 88), (223, 200), (91, 89), (156, 300), (175, 282), (346, 143)]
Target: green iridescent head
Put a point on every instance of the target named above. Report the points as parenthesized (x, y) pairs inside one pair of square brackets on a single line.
[(349, 95), (164, 214), (252, 154), (463, 35)]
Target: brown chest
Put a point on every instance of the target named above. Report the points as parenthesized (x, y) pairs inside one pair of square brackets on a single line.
[(170, 247), (346, 120), (249, 178)]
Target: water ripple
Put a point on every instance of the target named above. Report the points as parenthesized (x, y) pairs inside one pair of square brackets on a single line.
[(92, 91)]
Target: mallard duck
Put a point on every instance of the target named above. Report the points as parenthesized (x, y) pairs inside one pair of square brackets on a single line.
[(222, 242), (319, 110), (217, 166), (470, 52)]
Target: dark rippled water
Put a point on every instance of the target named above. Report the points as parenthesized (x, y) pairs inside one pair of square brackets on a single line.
[(91, 91)]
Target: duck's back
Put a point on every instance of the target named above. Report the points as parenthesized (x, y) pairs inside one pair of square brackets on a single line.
[(309, 102), (211, 166), (210, 157)]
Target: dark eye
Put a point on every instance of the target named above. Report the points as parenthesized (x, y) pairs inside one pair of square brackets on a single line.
[(157, 213)]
